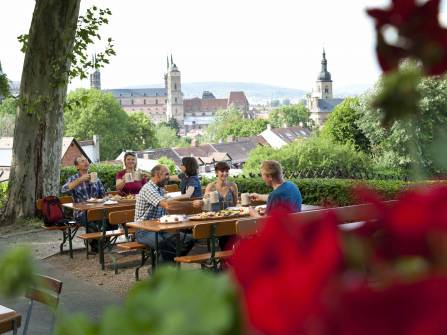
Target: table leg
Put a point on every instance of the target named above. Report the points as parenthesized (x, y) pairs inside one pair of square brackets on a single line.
[(70, 244), (177, 247), (156, 253), (213, 246)]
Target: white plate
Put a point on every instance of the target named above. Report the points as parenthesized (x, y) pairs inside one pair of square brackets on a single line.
[(95, 200), (173, 218), (110, 202), (234, 208)]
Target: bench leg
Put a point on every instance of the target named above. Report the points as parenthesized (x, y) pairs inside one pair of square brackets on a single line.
[(71, 235), (144, 257), (64, 239), (101, 253)]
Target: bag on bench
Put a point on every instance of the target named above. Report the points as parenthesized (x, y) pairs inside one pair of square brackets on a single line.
[(53, 214)]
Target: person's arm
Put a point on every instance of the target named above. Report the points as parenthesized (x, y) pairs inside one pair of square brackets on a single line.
[(174, 178), (234, 190), (188, 193), (101, 190), (119, 184), (171, 204), (75, 183), (259, 197)]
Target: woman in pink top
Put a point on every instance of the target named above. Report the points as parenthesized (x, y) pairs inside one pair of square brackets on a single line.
[(129, 181)]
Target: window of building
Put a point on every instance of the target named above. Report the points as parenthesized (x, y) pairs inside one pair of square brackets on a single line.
[(326, 90), (156, 101), (121, 102), (175, 86), (144, 101), (166, 101), (175, 100), (131, 102)]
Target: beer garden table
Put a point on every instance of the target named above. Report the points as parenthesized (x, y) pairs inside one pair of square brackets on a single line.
[(8, 315), (157, 227)]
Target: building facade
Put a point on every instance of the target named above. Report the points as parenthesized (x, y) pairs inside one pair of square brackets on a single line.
[(162, 104), (321, 101)]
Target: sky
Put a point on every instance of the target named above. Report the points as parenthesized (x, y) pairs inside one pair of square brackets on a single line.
[(276, 42)]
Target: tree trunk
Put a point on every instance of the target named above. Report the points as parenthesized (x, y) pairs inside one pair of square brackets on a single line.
[(39, 124)]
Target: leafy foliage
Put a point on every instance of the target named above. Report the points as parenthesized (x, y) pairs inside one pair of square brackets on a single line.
[(166, 137), (90, 112), (169, 163), (413, 140), (342, 125), (230, 122), (86, 33), (16, 272), (172, 123), (290, 116), (4, 84), (8, 106), (315, 153)]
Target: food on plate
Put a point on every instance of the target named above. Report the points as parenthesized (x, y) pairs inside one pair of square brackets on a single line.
[(118, 197), (173, 218), (221, 214)]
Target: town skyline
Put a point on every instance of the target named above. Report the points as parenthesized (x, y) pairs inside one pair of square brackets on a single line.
[(278, 44)]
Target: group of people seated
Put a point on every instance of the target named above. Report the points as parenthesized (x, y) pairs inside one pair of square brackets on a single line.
[(153, 203)]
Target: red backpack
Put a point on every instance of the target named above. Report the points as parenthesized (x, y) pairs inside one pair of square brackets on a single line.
[(52, 212)]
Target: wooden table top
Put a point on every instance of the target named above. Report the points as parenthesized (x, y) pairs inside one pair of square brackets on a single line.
[(6, 313), (85, 206), (158, 227)]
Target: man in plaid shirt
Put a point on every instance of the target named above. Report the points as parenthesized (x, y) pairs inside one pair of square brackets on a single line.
[(81, 190), (152, 204)]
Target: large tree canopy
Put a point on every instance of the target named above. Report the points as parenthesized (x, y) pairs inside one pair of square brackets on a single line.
[(289, 116), (415, 139), (230, 122), (92, 112), (342, 125)]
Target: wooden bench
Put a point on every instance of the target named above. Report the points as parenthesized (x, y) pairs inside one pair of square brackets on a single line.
[(122, 217), (68, 231), (213, 258), (94, 215)]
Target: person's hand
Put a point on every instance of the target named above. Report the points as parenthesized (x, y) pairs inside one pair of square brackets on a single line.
[(252, 212), (254, 197), (197, 203), (85, 177)]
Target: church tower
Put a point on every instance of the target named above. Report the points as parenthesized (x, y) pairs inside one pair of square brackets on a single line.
[(95, 77), (174, 108), (323, 85)]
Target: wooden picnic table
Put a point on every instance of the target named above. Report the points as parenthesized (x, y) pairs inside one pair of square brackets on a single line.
[(9, 320), (157, 227)]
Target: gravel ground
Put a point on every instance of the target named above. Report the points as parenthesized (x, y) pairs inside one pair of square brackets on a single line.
[(44, 246)]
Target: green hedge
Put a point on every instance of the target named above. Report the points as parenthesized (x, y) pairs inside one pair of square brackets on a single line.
[(337, 192), (106, 173)]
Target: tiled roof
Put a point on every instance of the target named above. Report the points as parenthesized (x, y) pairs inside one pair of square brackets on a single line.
[(158, 153), (203, 150), (290, 134), (137, 92), (255, 139), (327, 105), (238, 98), (238, 151)]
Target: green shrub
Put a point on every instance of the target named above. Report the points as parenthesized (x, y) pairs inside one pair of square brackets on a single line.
[(106, 173), (337, 192), (3, 193), (314, 154)]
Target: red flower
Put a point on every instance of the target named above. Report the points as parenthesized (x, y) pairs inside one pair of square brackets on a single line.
[(283, 271), (420, 35), (403, 308)]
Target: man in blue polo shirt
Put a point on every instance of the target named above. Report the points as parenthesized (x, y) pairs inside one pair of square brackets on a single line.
[(285, 194)]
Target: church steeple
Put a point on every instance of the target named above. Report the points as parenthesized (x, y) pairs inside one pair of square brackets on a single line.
[(324, 74)]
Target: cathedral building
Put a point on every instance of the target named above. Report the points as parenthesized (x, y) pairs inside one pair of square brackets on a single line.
[(162, 104), (321, 101)]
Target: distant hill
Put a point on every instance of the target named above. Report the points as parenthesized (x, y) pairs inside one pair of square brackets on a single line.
[(255, 92)]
